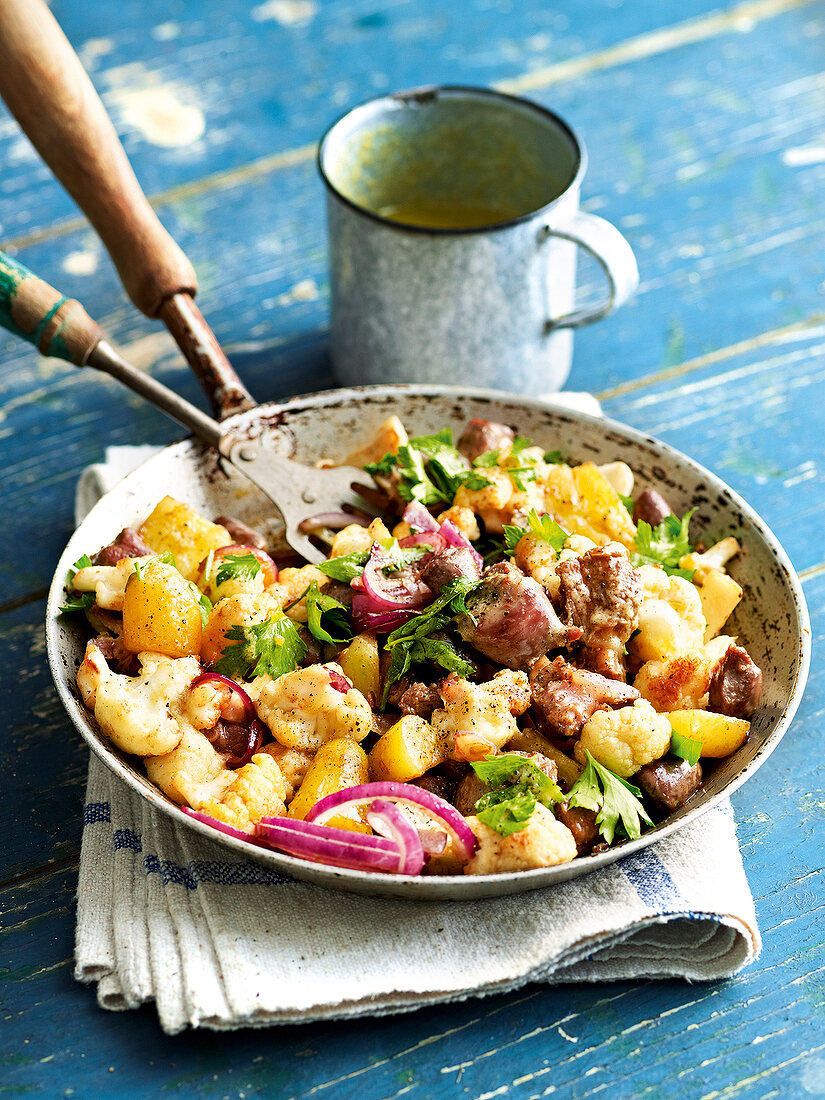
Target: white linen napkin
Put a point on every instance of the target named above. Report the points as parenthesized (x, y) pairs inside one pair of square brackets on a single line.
[(221, 942)]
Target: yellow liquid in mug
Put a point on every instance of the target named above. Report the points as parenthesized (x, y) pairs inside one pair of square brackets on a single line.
[(452, 214)]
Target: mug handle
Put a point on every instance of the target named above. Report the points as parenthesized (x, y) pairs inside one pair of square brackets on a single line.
[(609, 248)]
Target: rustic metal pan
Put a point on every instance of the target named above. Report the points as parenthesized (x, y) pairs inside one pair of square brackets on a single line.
[(772, 620)]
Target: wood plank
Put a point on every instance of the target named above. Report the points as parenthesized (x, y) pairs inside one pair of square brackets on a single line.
[(188, 104)]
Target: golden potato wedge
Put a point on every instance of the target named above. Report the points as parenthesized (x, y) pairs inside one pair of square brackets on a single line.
[(161, 613), (720, 595), (338, 764), (719, 734), (407, 750), (177, 529), (360, 662)]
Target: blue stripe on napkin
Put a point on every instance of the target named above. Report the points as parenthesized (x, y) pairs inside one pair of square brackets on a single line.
[(652, 882)]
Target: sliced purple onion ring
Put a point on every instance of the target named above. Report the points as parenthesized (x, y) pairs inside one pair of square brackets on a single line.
[(335, 521), (387, 820), (217, 678), (366, 617), (388, 593), (221, 826), (334, 847), (432, 539), (454, 537), (445, 814), (339, 681), (418, 517)]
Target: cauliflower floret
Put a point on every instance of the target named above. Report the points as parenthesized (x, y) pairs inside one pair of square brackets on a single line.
[(493, 502), (620, 477), (536, 557), (192, 773), (464, 519), (258, 790), (486, 710), (140, 714), (303, 709), (671, 621), (291, 584), (626, 739), (294, 764), (354, 539), (682, 682), (108, 582), (545, 842)]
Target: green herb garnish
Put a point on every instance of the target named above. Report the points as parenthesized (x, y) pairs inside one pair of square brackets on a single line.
[(543, 527), (685, 747), (412, 643), (664, 544), (346, 568), (431, 469), (237, 567), (77, 601), (617, 801), (517, 786), (270, 648), (327, 618)]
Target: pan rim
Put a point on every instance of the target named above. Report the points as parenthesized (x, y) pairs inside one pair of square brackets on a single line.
[(454, 887)]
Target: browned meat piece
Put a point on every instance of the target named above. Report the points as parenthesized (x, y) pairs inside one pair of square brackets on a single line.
[(469, 791), (564, 697), (511, 619), (117, 655), (340, 592), (601, 593), (420, 699), (483, 435), (128, 544), (669, 781), (242, 533), (382, 722), (735, 684), (441, 785), (235, 741), (447, 565), (315, 650), (651, 507), (471, 788), (581, 823)]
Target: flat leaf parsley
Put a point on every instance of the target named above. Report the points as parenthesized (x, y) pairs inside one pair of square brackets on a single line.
[(664, 544), (237, 567), (617, 801), (270, 648), (77, 601), (543, 527), (431, 469)]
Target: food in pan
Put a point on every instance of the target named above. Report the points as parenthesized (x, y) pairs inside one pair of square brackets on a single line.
[(516, 662)]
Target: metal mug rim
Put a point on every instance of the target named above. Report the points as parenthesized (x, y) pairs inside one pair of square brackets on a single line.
[(422, 95)]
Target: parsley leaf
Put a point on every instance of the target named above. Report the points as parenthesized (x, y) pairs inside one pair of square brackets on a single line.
[(543, 527), (616, 801), (664, 544), (517, 786), (628, 502), (77, 601), (237, 567), (685, 747), (554, 458), (411, 643), (431, 469), (327, 618), (270, 648), (487, 460), (345, 568), (204, 603)]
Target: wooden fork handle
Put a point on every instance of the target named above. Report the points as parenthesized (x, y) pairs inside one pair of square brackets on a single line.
[(47, 90)]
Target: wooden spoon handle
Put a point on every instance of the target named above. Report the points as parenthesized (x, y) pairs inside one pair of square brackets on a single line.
[(47, 90)]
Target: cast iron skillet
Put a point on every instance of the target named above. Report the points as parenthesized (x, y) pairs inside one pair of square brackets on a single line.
[(772, 620)]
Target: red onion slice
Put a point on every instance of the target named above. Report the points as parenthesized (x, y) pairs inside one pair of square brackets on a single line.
[(389, 593), (446, 815), (217, 678), (334, 847), (335, 521), (417, 516), (365, 617), (424, 538), (221, 826), (386, 819), (454, 537), (433, 841), (339, 681)]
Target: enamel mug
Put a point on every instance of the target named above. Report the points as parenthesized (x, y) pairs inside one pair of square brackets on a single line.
[(454, 227)]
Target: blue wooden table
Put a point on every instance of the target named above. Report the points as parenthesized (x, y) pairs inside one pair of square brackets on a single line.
[(705, 124)]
